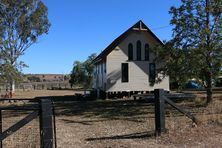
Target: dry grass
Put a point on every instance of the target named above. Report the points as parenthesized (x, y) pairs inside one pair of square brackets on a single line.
[(26, 137), (208, 133), (125, 123), (132, 125), (40, 93)]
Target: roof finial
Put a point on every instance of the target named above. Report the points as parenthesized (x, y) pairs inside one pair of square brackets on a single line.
[(140, 25)]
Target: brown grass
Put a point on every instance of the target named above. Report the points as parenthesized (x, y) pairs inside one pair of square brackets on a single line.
[(40, 93), (123, 124), (27, 137)]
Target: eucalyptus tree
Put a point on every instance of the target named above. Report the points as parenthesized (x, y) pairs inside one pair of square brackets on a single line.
[(77, 74), (82, 72), (196, 48), (21, 23)]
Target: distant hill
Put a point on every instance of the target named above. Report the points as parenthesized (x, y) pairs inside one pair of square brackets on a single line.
[(46, 78)]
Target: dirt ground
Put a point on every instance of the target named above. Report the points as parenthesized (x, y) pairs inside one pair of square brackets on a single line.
[(122, 123)]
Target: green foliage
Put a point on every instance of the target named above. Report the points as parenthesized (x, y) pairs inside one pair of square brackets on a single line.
[(196, 48), (175, 64), (198, 31), (77, 74), (82, 72), (7, 72), (21, 23)]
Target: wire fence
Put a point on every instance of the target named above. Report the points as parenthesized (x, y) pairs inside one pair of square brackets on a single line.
[(27, 123), (38, 86), (26, 137)]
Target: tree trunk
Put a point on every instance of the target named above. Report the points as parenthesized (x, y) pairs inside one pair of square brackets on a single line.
[(209, 89), (208, 74), (12, 81), (12, 88)]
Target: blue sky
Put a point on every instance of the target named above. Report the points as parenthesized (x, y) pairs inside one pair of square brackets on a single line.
[(82, 27)]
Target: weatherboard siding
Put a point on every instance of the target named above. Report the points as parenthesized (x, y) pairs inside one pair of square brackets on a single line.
[(138, 70), (99, 79)]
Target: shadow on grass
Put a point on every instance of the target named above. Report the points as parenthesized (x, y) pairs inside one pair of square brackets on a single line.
[(140, 135), (78, 122), (90, 122), (130, 110), (16, 109), (106, 109)]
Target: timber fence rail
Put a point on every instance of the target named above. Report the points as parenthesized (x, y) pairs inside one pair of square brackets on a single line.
[(35, 120), (43, 109), (160, 99)]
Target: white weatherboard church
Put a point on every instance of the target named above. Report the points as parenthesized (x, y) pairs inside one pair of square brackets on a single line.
[(127, 64)]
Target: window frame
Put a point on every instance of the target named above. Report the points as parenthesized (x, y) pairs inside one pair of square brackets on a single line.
[(152, 76), (130, 52), (138, 50), (147, 52), (125, 72)]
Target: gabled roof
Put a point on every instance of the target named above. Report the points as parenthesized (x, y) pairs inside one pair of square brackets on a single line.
[(139, 26)]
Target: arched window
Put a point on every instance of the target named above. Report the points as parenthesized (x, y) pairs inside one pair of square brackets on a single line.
[(130, 51), (152, 72), (147, 52), (138, 50)]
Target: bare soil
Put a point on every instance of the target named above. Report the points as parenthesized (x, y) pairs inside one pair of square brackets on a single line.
[(122, 123)]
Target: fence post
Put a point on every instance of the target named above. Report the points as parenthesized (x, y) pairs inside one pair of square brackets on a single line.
[(159, 111), (46, 130)]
